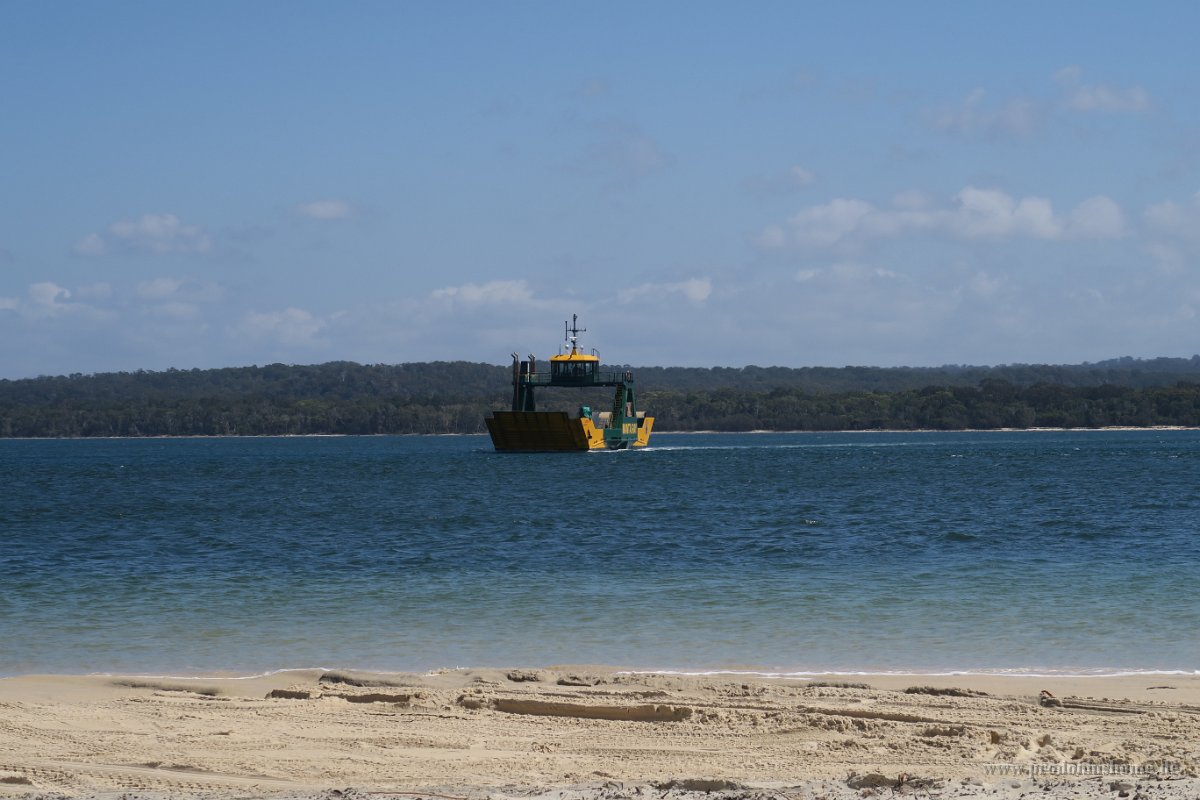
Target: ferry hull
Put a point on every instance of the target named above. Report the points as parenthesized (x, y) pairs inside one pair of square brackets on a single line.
[(554, 431)]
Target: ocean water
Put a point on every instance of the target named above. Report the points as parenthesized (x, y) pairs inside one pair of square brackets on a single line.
[(1029, 552)]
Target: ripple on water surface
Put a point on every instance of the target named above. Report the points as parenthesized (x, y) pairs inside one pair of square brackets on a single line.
[(930, 552)]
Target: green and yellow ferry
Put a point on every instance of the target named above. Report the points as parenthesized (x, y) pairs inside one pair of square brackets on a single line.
[(527, 429)]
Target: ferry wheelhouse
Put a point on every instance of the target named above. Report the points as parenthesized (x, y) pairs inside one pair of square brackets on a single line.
[(524, 428)]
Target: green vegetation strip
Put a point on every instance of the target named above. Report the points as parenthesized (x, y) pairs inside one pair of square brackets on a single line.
[(454, 397)]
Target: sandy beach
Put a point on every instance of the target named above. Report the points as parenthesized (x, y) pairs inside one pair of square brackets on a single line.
[(598, 732)]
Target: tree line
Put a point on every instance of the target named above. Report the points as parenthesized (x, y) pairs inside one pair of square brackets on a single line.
[(991, 405), (454, 397)]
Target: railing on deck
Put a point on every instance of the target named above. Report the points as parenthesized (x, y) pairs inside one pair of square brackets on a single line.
[(596, 379)]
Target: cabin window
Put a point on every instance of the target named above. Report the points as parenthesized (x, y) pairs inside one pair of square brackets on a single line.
[(574, 370)]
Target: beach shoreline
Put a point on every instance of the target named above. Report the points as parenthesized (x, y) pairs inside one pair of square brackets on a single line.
[(588, 729)]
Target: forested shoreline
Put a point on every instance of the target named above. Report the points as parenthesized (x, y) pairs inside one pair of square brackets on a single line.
[(454, 397)]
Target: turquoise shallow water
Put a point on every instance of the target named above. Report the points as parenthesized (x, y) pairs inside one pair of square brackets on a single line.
[(927, 552)]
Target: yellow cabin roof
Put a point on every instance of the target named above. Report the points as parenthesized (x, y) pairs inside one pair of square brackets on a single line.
[(574, 355)]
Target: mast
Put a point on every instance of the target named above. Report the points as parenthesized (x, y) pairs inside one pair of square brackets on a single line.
[(571, 334)]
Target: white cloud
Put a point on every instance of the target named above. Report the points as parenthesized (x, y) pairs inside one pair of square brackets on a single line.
[(772, 237), (1016, 116), (696, 290), (788, 181), (490, 293), (175, 310), (983, 285), (1096, 218), (988, 213), (627, 151), (1107, 98), (178, 289), (912, 200), (160, 233), (158, 288), (1170, 260), (1174, 234), (800, 176), (1021, 115), (325, 209), (1100, 97), (846, 274), (95, 291), (291, 326), (636, 154), (176, 298), (91, 245), (154, 234), (1069, 75), (826, 225), (48, 295), (1175, 220), (974, 213), (46, 299)]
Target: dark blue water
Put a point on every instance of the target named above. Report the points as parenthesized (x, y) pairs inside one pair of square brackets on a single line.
[(1030, 551)]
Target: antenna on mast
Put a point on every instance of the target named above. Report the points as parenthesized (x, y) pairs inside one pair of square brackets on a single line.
[(571, 334)]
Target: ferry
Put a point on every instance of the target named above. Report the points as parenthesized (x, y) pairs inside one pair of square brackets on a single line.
[(524, 428)]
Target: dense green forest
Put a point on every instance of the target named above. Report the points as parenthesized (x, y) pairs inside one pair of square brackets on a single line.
[(454, 397)]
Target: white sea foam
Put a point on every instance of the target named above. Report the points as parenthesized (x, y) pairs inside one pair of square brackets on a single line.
[(216, 676), (1003, 672), (1020, 672), (806, 446)]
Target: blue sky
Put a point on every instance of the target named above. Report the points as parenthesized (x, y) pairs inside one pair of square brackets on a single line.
[(224, 184)]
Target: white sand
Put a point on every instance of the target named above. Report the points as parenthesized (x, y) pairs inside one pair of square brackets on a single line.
[(594, 733)]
